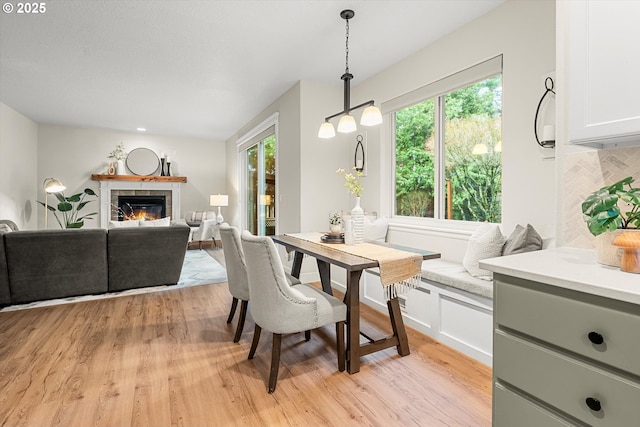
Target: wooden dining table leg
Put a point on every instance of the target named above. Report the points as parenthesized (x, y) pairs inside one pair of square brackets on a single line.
[(297, 264), (324, 268), (352, 299), (397, 324)]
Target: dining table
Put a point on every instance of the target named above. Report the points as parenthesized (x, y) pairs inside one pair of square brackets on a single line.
[(337, 254)]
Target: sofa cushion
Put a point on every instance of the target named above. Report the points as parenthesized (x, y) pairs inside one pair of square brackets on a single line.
[(4, 228), (376, 230), (146, 256), (485, 242), (5, 295), (49, 264)]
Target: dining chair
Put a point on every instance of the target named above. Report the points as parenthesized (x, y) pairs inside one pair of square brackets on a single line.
[(283, 309), (237, 275)]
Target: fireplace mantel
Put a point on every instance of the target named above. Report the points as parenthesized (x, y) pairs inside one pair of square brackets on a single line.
[(138, 178), (135, 184)]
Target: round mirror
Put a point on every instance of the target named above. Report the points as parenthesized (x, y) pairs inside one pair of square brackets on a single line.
[(142, 161)]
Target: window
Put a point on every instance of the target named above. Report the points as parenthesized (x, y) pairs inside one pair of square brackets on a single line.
[(448, 144), (258, 180)]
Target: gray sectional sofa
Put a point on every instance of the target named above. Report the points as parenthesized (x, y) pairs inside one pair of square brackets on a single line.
[(47, 264)]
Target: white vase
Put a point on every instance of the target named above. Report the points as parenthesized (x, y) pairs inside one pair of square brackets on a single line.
[(357, 218), (120, 169)]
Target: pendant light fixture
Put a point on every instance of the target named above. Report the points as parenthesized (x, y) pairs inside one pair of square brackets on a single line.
[(371, 115)]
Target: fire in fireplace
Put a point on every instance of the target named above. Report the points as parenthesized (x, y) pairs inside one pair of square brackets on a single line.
[(141, 207)]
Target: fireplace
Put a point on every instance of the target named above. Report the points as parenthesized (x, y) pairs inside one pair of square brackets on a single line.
[(145, 208)]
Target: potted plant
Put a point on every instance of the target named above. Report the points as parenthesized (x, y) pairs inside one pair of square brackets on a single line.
[(335, 222), (607, 212), (69, 208)]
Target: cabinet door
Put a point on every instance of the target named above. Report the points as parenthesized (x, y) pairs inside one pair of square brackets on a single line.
[(604, 60)]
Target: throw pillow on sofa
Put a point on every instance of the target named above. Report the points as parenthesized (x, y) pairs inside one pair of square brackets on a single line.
[(522, 239), (124, 224), (162, 222), (486, 242)]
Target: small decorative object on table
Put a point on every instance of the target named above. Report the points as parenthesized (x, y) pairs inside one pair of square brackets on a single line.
[(354, 186), (335, 222), (332, 238)]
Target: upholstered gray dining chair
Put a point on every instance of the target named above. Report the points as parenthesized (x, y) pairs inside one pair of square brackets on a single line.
[(283, 309), (236, 274)]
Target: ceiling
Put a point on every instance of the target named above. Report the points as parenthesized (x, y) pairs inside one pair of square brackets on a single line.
[(201, 68)]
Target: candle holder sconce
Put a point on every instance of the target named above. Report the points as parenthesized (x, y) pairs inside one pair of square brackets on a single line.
[(548, 134), (358, 155)]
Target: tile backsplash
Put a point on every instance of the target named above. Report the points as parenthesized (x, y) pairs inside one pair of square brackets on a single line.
[(584, 173)]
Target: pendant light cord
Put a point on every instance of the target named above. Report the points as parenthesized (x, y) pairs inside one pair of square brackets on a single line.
[(346, 66)]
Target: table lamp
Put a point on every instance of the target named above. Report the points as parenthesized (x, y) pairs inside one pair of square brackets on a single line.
[(219, 200), (50, 185)]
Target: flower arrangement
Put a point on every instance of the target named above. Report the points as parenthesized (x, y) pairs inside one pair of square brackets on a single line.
[(352, 181), (118, 154), (335, 219)]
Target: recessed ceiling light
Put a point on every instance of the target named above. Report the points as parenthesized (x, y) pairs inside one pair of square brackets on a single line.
[(141, 129)]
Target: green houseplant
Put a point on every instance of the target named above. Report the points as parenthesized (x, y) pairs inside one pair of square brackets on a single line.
[(610, 209), (69, 209)]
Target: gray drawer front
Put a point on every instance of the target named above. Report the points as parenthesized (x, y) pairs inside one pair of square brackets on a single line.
[(565, 383), (567, 322), (513, 410)]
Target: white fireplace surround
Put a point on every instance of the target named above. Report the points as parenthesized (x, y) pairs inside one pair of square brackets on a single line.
[(106, 187)]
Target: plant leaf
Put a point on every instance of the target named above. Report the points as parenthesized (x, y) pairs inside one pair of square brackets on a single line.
[(77, 224), (90, 192), (65, 207), (74, 198)]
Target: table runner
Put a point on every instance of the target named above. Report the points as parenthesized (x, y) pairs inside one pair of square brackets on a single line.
[(399, 270)]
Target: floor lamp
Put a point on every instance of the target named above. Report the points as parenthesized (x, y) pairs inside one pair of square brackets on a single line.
[(50, 185)]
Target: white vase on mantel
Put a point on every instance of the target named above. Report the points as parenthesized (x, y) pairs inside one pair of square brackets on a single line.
[(357, 218), (120, 169)]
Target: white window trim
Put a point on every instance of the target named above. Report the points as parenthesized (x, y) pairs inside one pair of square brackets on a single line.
[(468, 76)]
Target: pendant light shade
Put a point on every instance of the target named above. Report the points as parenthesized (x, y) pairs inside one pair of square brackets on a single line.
[(371, 115), (347, 124), (326, 131)]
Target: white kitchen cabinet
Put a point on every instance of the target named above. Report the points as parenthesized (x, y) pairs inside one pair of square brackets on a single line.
[(602, 72), (566, 340)]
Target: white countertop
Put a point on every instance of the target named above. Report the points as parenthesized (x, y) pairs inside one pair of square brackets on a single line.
[(569, 268)]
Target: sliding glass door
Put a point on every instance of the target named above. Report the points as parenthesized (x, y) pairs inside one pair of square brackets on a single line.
[(259, 198)]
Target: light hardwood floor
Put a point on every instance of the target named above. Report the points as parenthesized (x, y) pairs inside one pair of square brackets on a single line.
[(167, 359)]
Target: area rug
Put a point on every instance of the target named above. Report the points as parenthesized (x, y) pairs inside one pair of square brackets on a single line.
[(198, 268)]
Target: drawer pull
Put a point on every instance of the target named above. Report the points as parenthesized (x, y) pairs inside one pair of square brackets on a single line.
[(593, 404), (595, 338)]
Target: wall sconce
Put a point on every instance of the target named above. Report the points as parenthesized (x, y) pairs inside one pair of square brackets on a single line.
[(370, 116), (50, 185), (548, 131), (219, 200), (358, 155)]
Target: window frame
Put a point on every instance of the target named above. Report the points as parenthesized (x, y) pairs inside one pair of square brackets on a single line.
[(435, 90)]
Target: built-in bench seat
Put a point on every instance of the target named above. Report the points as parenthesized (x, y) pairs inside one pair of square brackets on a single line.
[(451, 273)]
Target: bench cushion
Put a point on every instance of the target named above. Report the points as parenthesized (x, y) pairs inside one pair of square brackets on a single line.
[(453, 274)]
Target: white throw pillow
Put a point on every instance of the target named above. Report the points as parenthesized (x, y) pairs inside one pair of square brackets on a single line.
[(376, 230), (123, 224), (485, 242), (162, 222)]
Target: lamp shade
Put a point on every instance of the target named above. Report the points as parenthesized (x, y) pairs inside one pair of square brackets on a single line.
[(371, 116), (347, 124), (326, 131), (52, 185), (264, 199), (219, 200)]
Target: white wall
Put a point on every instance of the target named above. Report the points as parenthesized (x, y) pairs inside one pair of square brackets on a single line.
[(524, 33), (19, 185), (72, 154)]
